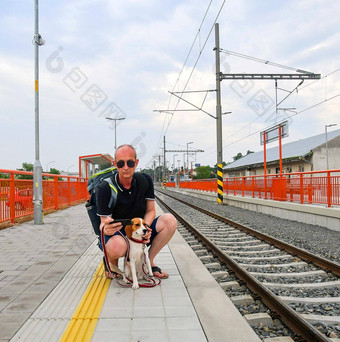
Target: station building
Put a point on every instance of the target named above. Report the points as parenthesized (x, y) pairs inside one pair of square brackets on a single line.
[(309, 154)]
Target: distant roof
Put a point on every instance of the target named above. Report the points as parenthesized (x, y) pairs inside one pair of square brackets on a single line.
[(98, 159), (292, 150)]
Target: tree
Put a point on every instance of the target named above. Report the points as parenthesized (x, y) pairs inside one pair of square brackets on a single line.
[(4, 175), (54, 171), (238, 156), (204, 172), (26, 167)]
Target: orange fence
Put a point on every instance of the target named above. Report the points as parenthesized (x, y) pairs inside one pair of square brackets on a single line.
[(16, 195), (318, 187)]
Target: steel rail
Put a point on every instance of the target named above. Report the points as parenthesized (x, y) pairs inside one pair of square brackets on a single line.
[(292, 319), (325, 264)]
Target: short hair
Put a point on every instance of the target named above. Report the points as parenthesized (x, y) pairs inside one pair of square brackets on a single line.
[(126, 145)]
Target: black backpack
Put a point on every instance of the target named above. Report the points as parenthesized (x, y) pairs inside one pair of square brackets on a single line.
[(107, 175)]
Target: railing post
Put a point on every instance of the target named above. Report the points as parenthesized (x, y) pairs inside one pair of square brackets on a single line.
[(68, 191), (243, 186), (301, 189), (329, 189), (56, 192), (253, 186), (12, 197), (265, 186)]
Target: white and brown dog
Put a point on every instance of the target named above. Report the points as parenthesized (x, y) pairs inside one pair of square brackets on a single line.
[(134, 260)]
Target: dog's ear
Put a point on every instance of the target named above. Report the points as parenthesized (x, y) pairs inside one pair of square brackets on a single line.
[(128, 231)]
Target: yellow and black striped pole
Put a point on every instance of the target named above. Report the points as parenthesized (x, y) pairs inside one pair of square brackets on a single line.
[(219, 183), (218, 118)]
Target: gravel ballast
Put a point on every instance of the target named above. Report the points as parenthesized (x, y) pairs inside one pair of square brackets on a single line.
[(315, 239)]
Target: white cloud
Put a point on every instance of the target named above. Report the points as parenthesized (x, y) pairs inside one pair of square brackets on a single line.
[(134, 50)]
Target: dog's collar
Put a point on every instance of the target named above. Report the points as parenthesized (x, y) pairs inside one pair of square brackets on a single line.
[(137, 241)]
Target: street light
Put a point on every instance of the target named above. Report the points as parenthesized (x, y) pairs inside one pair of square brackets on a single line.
[(327, 142), (174, 160), (115, 120), (37, 168), (53, 161), (191, 142)]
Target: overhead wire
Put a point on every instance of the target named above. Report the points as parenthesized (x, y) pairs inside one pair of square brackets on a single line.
[(199, 55), (182, 69), (288, 117)]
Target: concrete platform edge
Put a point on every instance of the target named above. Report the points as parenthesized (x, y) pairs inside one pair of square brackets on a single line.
[(306, 213), (208, 298)]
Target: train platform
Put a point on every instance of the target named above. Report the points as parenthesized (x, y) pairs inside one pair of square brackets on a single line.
[(53, 288)]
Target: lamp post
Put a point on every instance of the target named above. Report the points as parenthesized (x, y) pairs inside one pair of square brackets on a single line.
[(191, 142), (174, 160), (327, 142), (115, 120), (53, 161), (37, 168)]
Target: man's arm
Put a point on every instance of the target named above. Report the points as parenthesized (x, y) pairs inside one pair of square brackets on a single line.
[(150, 212)]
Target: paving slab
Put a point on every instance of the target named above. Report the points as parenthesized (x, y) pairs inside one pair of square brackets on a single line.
[(34, 258)]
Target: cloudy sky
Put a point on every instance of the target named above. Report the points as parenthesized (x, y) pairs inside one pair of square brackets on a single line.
[(121, 59)]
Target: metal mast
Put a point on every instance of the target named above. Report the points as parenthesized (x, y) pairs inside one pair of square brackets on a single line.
[(37, 169), (218, 118)]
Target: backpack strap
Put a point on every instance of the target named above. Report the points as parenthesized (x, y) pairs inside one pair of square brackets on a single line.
[(114, 192)]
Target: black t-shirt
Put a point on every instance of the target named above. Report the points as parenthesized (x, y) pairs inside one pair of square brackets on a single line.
[(130, 203)]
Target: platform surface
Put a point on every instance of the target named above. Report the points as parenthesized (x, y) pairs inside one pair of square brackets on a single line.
[(47, 269)]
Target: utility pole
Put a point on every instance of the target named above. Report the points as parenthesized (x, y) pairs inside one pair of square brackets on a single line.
[(218, 117), (159, 167), (164, 161), (37, 168)]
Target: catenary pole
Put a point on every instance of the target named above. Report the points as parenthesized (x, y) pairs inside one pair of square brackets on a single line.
[(218, 118), (164, 164), (37, 168)]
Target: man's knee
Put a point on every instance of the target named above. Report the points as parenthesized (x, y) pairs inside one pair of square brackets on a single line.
[(116, 246), (167, 221)]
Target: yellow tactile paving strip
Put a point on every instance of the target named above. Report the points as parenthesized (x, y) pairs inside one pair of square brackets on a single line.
[(85, 317)]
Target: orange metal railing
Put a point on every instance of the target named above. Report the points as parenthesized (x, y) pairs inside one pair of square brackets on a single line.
[(318, 187), (16, 195)]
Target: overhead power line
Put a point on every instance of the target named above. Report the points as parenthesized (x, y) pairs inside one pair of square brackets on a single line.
[(263, 61), (195, 64)]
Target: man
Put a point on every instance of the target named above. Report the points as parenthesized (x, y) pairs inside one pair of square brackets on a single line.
[(132, 202)]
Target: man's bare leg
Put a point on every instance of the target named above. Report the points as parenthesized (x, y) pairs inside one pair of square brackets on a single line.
[(166, 227), (116, 248)]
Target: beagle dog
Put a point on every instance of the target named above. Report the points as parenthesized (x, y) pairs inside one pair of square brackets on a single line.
[(134, 260)]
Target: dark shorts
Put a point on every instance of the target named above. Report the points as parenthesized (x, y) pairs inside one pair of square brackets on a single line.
[(122, 232)]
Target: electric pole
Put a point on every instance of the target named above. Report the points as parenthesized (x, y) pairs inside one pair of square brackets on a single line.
[(218, 118), (37, 169)]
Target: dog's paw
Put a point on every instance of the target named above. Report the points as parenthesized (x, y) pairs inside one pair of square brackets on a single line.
[(147, 278), (135, 286), (125, 280)]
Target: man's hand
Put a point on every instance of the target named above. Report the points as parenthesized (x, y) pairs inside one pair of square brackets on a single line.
[(147, 236), (110, 227)]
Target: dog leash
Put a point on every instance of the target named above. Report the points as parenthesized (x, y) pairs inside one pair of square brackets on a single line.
[(153, 283)]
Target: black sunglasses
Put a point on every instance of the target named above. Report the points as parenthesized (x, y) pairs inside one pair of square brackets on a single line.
[(129, 163)]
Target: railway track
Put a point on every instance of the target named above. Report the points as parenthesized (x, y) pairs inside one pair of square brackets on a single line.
[(300, 289)]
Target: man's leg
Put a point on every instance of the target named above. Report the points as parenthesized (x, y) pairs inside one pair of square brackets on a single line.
[(165, 227), (116, 248)]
